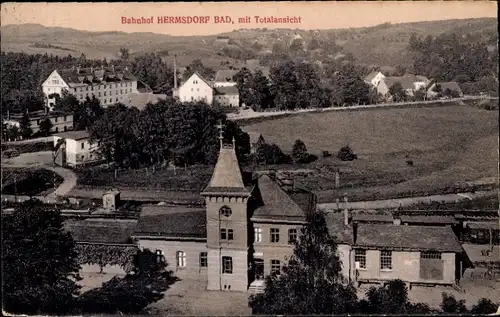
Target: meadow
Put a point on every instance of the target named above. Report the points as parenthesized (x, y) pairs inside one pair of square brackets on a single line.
[(448, 145)]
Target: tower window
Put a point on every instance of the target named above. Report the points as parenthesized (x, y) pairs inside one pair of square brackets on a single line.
[(230, 235), (226, 211), (223, 234)]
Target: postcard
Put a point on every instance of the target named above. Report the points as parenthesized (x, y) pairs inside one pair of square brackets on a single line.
[(250, 158)]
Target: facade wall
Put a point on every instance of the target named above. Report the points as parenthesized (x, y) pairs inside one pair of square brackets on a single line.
[(347, 260), (80, 151), (235, 281), (196, 89), (382, 88), (107, 93), (192, 249), (405, 266), (228, 100), (59, 124), (376, 80)]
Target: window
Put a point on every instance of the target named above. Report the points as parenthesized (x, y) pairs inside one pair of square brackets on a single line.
[(203, 259), (226, 234), (83, 145), (55, 119), (360, 256), (181, 259), (225, 211), (38, 121), (105, 93), (227, 265), (292, 236), (275, 267), (257, 234), (430, 255), (65, 118), (159, 256), (275, 235), (385, 260)]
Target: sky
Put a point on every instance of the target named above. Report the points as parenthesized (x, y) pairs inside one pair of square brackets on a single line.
[(317, 15)]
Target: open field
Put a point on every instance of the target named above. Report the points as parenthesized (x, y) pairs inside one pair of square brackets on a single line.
[(448, 145)]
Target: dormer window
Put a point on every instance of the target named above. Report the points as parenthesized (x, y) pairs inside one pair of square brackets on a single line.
[(225, 211)]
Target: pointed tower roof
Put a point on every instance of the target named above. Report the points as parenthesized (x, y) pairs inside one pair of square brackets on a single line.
[(227, 177)]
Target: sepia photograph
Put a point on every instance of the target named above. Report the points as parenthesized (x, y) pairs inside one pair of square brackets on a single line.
[(250, 158)]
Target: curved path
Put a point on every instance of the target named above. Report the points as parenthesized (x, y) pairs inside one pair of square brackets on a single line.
[(44, 160)]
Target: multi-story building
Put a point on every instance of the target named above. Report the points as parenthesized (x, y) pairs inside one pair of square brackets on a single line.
[(61, 121), (196, 88), (77, 149), (109, 85)]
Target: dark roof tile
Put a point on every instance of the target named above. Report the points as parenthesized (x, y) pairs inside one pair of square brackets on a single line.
[(382, 236), (176, 221), (107, 231)]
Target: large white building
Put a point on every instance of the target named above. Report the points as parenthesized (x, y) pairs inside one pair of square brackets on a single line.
[(109, 85), (222, 91), (77, 149)]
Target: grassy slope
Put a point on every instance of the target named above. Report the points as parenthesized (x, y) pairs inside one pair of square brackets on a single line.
[(448, 145), (381, 45)]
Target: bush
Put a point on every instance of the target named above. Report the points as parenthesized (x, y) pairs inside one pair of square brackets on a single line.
[(346, 154)]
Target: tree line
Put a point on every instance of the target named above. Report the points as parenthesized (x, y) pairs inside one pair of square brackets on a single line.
[(41, 270), (452, 57), (168, 131)]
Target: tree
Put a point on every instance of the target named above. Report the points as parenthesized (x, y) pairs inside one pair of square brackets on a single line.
[(420, 95), (346, 154), (124, 54), (397, 92), (450, 305), (87, 113), (131, 294), (390, 299), (197, 66), (484, 306), (349, 88), (25, 126), (261, 97), (312, 282), (45, 126), (299, 152), (40, 269), (271, 154), (12, 133)]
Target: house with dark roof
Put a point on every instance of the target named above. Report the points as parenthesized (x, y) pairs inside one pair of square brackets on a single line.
[(375, 250), (410, 84), (108, 84), (61, 121), (244, 232), (227, 96)]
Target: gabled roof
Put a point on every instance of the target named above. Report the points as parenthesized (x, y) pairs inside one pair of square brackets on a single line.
[(371, 75), (406, 81), (228, 90), (95, 75), (402, 237), (226, 176), (276, 204), (452, 85), (199, 76), (225, 75), (171, 221), (105, 231), (141, 100)]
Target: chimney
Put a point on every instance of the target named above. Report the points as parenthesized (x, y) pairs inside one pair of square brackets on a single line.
[(175, 73), (346, 212), (337, 201), (91, 69), (113, 67)]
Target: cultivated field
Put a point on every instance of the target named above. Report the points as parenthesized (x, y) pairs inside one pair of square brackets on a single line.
[(448, 145)]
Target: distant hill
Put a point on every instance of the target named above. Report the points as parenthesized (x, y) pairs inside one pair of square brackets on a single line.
[(383, 45)]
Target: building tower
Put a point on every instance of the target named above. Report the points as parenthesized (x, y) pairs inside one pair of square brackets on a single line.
[(226, 199)]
